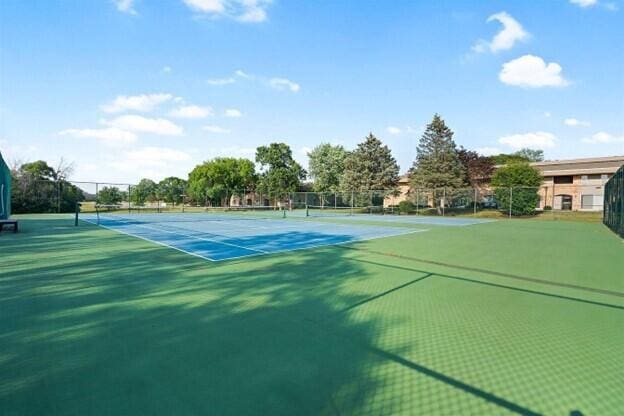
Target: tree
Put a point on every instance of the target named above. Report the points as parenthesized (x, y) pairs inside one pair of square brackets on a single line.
[(109, 195), (370, 166), (477, 168), (522, 155), (215, 179), (37, 187), (39, 170), (531, 155), (516, 188), (145, 190), (281, 173), (171, 189), (326, 167), (437, 163)]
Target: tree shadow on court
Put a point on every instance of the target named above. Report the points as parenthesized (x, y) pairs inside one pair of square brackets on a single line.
[(98, 323)]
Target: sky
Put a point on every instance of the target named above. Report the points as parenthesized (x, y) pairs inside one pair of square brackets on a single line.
[(126, 89)]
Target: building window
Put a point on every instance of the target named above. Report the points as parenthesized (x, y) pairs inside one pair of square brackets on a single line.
[(587, 201), (604, 177), (563, 179), (594, 177), (584, 178), (566, 202)]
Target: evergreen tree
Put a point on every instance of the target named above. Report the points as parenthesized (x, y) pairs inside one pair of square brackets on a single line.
[(370, 167), (437, 163)]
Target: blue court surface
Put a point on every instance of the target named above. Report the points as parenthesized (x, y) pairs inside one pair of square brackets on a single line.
[(405, 219), (215, 237)]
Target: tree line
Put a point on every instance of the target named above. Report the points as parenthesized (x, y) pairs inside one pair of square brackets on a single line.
[(439, 163)]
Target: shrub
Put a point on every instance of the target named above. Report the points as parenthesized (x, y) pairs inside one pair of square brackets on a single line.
[(547, 208), (405, 207), (525, 181)]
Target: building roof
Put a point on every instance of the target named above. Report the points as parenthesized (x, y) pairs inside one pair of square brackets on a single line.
[(585, 166)]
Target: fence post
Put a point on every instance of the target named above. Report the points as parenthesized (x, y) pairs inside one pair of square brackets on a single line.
[(58, 197), (475, 201), (510, 199), (443, 200), (129, 210)]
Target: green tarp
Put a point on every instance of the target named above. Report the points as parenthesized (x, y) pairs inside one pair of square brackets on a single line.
[(5, 190)]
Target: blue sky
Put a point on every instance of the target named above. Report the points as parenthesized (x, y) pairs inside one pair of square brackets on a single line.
[(129, 89)]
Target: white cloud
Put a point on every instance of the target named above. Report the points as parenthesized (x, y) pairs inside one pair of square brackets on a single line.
[(242, 74), (511, 33), (221, 81), (233, 113), (156, 156), (603, 138), (393, 130), (216, 129), (147, 162), (166, 69), (547, 114), (573, 122), (584, 3), (143, 103), (125, 6), (191, 111), (284, 84), (537, 140), (489, 151), (111, 136), (531, 71), (247, 11), (141, 124)]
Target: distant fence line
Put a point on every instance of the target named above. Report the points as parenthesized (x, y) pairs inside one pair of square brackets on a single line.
[(62, 196)]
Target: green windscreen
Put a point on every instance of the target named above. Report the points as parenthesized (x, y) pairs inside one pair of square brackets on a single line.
[(614, 203), (5, 190)]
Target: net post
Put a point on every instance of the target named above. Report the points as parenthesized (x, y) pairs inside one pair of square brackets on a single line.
[(77, 211), (443, 200), (129, 198)]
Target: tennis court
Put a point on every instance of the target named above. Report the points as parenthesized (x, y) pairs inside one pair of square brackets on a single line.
[(506, 317), (363, 214), (226, 235)]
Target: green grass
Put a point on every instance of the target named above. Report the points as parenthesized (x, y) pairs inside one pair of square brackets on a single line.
[(509, 317)]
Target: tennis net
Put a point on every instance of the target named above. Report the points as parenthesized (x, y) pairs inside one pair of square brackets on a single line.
[(328, 211), (132, 214)]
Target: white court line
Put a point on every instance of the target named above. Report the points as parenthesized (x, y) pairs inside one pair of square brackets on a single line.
[(320, 245), (259, 253), (198, 238), (151, 241)]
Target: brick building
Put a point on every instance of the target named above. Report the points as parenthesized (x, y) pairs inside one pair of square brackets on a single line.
[(572, 184)]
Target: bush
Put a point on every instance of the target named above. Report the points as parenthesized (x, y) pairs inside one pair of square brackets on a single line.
[(405, 207), (547, 208), (523, 200), (525, 181)]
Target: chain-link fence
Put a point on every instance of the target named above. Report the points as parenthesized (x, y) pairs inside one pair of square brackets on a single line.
[(48, 196), (614, 203)]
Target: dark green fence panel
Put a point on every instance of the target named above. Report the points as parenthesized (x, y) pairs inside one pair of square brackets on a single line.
[(614, 203)]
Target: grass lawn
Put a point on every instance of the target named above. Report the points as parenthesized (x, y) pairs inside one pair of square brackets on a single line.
[(507, 317)]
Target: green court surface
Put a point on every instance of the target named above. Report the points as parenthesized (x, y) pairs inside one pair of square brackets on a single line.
[(506, 317)]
